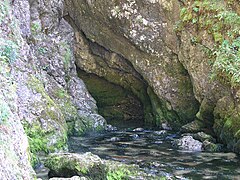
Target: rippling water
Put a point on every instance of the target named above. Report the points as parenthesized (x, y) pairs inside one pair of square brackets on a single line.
[(154, 153)]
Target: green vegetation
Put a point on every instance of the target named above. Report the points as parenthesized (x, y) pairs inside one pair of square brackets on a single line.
[(37, 141), (4, 112), (8, 50), (118, 174), (35, 27), (81, 169), (218, 18), (40, 138)]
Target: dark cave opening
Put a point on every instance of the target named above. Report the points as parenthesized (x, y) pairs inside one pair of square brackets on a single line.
[(117, 105)]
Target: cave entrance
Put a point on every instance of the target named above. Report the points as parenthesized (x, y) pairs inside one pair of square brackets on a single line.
[(120, 107)]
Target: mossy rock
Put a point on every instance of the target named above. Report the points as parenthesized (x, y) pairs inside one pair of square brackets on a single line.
[(227, 122), (70, 164), (212, 147), (120, 171), (47, 132), (193, 127)]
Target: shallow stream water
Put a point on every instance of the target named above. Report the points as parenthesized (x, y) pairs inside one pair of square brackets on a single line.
[(154, 153)]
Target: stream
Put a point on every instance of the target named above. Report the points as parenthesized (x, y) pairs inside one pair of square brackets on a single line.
[(153, 151)]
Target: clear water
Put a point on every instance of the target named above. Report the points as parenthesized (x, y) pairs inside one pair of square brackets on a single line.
[(154, 153)]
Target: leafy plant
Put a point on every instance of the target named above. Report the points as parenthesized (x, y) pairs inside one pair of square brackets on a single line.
[(118, 174), (227, 64), (37, 141), (223, 24)]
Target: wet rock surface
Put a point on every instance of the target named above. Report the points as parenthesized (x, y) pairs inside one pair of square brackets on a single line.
[(69, 164), (201, 136), (188, 143)]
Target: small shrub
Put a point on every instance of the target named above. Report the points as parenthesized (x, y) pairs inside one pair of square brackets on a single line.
[(227, 63)]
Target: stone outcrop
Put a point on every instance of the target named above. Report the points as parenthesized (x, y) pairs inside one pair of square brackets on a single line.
[(139, 33), (40, 89), (90, 166), (189, 144), (70, 164)]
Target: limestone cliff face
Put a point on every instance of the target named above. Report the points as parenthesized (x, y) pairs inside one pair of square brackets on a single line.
[(40, 90), (139, 33), (175, 69)]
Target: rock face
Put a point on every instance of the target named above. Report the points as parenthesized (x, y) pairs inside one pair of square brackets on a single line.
[(90, 166), (40, 89), (136, 43), (14, 149), (132, 43)]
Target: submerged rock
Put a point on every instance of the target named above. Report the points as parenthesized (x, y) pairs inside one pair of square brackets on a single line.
[(70, 164), (212, 147), (201, 136), (188, 143), (162, 132), (138, 130), (134, 136), (114, 139), (109, 127)]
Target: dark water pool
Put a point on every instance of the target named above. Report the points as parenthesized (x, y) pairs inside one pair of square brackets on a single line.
[(154, 153)]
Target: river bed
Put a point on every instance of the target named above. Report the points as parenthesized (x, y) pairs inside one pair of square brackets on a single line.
[(154, 153)]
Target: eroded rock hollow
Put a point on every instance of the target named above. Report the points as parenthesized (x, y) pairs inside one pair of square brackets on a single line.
[(130, 44)]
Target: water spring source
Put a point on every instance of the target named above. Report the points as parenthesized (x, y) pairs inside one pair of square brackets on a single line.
[(153, 151)]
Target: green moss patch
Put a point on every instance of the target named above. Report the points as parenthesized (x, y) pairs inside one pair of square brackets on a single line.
[(47, 133)]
